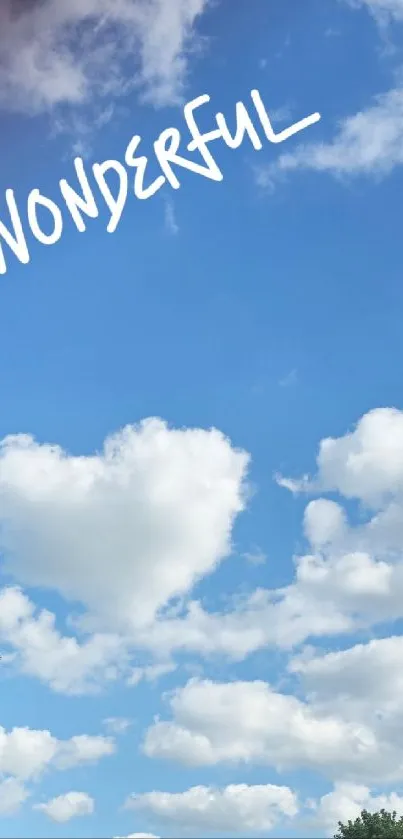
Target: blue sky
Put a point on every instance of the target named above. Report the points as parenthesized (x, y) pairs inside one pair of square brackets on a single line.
[(237, 624)]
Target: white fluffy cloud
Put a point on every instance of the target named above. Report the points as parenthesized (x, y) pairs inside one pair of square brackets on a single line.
[(12, 795), (367, 143), (64, 51), (366, 463), (250, 722), (347, 800), (127, 530), (25, 753), (68, 806), (233, 809)]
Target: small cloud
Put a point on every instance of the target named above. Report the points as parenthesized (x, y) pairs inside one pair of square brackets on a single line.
[(117, 725), (290, 379), (286, 45), (258, 388), (171, 224), (294, 486), (138, 836), (256, 556), (67, 806), (150, 673), (281, 114)]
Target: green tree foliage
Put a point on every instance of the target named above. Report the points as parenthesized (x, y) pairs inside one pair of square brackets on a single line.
[(382, 825)]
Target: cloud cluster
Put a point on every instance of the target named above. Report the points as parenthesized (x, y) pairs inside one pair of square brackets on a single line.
[(26, 754), (66, 51), (127, 531), (159, 505), (349, 725), (240, 809), (352, 575)]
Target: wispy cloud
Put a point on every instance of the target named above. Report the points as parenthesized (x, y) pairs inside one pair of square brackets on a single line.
[(171, 224), (382, 10), (290, 379), (255, 556), (56, 52), (368, 143), (117, 725)]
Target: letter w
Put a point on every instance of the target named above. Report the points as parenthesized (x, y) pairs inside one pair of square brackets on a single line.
[(16, 242)]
